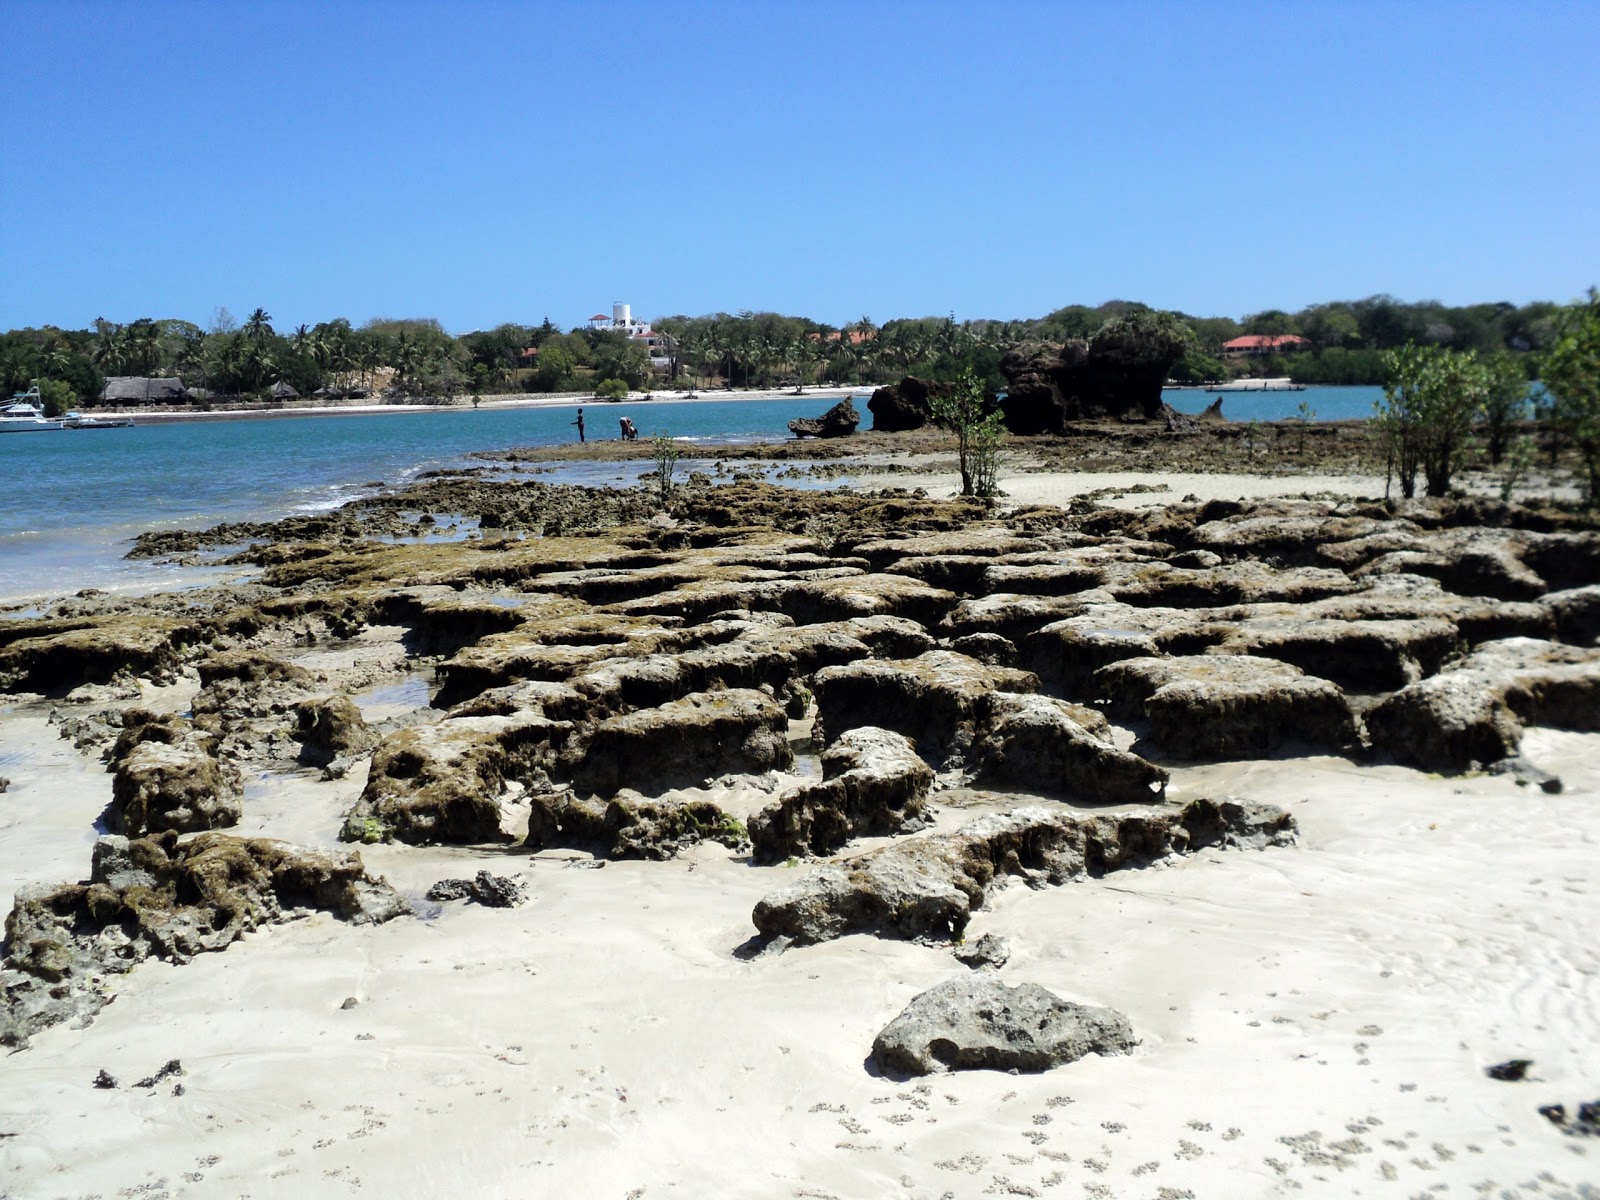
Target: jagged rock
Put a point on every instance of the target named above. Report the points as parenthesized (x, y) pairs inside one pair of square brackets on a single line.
[(1227, 706), (628, 825), (1474, 710), (329, 727), (159, 897), (977, 1023), (684, 743), (1046, 745), (987, 951), (441, 783), (873, 785), (934, 699), (839, 421), (491, 891), (167, 776), (172, 1067), (928, 887), (902, 406)]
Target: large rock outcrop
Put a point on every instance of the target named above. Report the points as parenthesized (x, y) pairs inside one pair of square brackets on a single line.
[(158, 897), (977, 1023), (902, 406), (1116, 374), (929, 887), (1473, 712), (873, 784), (839, 421)]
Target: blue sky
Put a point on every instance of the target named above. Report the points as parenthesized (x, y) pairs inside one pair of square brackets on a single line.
[(487, 162)]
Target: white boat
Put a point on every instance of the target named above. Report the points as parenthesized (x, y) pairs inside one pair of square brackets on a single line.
[(24, 415), (76, 420)]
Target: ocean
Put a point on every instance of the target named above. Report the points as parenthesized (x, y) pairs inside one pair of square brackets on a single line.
[(77, 498)]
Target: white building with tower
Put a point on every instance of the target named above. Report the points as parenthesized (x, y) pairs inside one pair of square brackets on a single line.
[(657, 345)]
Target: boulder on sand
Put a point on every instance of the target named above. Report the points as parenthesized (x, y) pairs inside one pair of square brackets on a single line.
[(977, 1023), (441, 783), (839, 421), (873, 784)]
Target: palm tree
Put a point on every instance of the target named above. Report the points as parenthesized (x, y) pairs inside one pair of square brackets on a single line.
[(259, 327)]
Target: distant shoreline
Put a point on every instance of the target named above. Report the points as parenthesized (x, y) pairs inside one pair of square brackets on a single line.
[(488, 403)]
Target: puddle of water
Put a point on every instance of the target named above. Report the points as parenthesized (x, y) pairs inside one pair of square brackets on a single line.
[(393, 699)]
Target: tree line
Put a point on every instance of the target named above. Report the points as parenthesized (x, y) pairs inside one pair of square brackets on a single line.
[(1346, 343)]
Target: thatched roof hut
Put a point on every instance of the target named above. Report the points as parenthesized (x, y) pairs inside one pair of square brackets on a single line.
[(142, 389), (283, 390)]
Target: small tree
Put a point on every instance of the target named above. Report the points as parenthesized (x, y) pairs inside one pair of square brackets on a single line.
[(1505, 402), (1429, 403), (665, 452), (611, 389), (1571, 371), (978, 434)]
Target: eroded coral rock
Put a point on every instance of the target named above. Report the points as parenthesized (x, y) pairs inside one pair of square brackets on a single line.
[(158, 897), (1474, 711), (1047, 745), (628, 825), (684, 743), (977, 1023), (935, 699), (442, 783), (873, 784), (929, 887), (1227, 706), (167, 776)]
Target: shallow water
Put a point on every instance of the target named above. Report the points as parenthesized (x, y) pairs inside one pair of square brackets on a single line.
[(76, 501)]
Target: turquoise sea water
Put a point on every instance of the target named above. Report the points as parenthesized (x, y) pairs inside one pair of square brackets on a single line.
[(74, 499)]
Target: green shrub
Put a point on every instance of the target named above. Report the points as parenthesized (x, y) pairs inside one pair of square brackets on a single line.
[(611, 389)]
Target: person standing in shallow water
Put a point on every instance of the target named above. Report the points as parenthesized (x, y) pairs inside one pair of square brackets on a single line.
[(579, 424)]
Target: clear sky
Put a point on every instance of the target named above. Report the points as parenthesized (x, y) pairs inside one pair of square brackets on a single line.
[(483, 162)]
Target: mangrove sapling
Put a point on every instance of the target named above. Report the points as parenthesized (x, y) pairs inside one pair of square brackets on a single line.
[(1304, 414), (1429, 403), (978, 434), (1518, 460), (1505, 402), (665, 453)]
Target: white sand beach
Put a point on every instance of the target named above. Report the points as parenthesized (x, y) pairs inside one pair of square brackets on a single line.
[(1313, 1021)]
